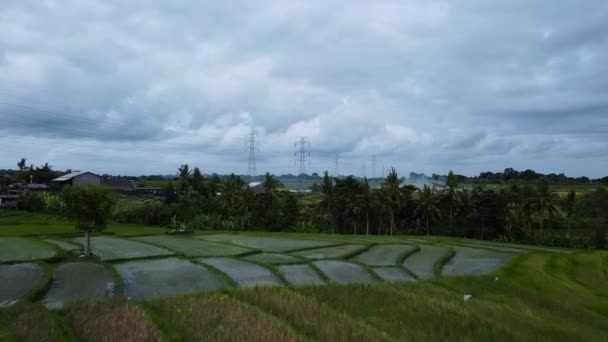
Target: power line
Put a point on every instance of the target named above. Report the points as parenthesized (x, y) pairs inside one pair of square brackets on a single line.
[(253, 146), (302, 150)]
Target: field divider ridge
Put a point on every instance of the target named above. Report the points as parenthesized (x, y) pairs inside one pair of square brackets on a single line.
[(443, 260), (165, 328), (229, 281)]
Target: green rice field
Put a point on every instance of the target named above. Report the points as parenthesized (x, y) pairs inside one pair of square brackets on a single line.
[(260, 286)]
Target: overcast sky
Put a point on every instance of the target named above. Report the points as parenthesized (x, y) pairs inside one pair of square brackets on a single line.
[(140, 87)]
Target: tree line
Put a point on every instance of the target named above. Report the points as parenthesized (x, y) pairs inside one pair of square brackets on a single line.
[(524, 212), (518, 211)]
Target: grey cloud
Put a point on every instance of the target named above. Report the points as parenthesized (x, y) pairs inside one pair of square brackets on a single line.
[(466, 83)]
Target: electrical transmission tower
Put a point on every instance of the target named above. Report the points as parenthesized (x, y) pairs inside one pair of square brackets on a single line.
[(253, 147), (302, 151)]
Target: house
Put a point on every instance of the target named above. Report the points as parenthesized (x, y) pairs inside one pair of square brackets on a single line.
[(256, 186), (77, 178), (120, 184), (36, 187), (153, 192), (9, 201)]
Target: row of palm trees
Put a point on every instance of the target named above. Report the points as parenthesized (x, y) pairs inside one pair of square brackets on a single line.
[(350, 205), (349, 201)]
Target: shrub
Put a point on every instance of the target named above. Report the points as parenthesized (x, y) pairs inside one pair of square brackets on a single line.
[(53, 203), (600, 237), (30, 201)]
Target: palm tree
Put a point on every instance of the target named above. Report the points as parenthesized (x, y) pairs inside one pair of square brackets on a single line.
[(393, 196), (570, 199), (545, 202), (354, 209), (366, 200), (451, 183), (245, 205), (327, 189), (427, 209), (22, 164), (184, 176), (270, 186), (232, 189), (467, 208), (380, 207)]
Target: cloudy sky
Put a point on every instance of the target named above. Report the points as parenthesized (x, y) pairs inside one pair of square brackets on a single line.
[(140, 87)]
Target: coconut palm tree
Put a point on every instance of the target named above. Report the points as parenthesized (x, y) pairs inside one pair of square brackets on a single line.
[(427, 207), (366, 200), (452, 194), (270, 187), (327, 190), (354, 210), (380, 207), (545, 202), (393, 196), (467, 208), (232, 189), (245, 205), (569, 204)]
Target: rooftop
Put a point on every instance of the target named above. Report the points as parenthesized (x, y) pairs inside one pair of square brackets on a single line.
[(70, 176)]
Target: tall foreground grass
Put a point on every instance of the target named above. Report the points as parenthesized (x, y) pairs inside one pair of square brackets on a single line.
[(540, 296)]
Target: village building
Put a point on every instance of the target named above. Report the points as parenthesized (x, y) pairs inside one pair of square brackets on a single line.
[(77, 178), (119, 184)]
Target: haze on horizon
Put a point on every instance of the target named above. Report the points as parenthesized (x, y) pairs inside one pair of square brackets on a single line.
[(427, 86)]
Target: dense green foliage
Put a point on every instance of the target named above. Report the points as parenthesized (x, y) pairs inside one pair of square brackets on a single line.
[(524, 206)]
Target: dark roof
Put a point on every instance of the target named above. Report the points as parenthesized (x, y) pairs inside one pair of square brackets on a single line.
[(36, 186), (118, 183), (71, 175)]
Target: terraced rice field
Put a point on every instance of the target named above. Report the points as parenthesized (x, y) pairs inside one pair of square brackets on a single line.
[(343, 272), (17, 280), (244, 273), (109, 248), (467, 261), (384, 255), (174, 281), (75, 281), (20, 249), (298, 275), (422, 263), (63, 245), (193, 247), (266, 244), (334, 252), (148, 268), (393, 274), (145, 279), (272, 258)]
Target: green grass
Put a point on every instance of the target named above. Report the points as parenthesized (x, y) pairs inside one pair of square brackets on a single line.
[(218, 317), (539, 296), (111, 320), (312, 318), (545, 294), (22, 223), (34, 323), (20, 249)]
